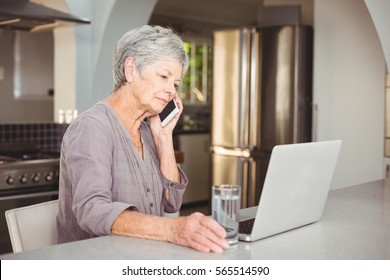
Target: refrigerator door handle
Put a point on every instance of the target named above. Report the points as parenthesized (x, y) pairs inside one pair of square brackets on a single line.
[(245, 86), (254, 125), (234, 152), (248, 181), (252, 186), (245, 190)]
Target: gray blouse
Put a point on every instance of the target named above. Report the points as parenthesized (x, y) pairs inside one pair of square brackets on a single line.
[(102, 174)]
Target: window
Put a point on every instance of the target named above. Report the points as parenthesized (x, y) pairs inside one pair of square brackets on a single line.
[(197, 84)]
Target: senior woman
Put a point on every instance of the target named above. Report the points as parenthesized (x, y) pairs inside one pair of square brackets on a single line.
[(118, 173)]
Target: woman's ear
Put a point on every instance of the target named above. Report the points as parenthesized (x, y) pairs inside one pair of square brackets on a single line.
[(129, 69)]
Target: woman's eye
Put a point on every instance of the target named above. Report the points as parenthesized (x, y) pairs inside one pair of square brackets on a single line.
[(164, 77), (176, 87)]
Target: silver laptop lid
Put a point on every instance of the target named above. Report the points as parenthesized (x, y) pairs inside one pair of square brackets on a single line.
[(296, 186)]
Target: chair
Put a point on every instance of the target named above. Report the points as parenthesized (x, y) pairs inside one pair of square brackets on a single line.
[(32, 227)]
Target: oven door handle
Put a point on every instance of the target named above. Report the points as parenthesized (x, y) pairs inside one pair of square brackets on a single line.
[(29, 195)]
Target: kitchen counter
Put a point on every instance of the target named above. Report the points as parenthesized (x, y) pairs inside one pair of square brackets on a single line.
[(355, 225)]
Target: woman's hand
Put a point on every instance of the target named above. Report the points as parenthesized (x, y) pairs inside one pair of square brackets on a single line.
[(196, 231), (199, 232), (164, 143)]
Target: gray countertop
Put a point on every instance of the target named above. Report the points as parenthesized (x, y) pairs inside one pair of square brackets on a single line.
[(355, 225)]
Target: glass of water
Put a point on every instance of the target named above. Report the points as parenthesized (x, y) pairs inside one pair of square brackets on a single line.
[(226, 210)]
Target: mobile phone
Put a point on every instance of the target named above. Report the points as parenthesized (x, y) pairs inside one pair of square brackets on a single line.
[(169, 112)]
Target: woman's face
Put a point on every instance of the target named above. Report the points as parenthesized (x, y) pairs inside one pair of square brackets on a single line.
[(157, 85)]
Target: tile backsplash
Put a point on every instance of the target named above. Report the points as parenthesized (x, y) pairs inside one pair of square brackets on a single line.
[(47, 136)]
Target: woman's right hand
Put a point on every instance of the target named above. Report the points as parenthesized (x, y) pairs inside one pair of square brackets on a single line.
[(199, 232), (196, 231)]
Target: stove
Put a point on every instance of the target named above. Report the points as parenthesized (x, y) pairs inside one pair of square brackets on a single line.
[(28, 176), (28, 169), (30, 173)]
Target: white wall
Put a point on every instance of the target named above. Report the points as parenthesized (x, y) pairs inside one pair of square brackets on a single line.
[(349, 72), (379, 11), (96, 42)]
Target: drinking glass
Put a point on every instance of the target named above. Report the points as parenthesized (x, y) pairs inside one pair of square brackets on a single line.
[(226, 209)]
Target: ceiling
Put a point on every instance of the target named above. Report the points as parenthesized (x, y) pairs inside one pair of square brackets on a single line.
[(200, 17)]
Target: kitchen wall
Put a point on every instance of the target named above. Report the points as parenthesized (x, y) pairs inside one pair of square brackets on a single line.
[(349, 72), (379, 10), (348, 86), (38, 110), (46, 136), (95, 45), (82, 55)]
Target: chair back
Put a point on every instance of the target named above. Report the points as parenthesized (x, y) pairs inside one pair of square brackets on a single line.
[(33, 226)]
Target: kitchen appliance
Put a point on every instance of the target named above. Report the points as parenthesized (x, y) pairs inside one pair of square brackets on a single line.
[(27, 16), (262, 97), (27, 176)]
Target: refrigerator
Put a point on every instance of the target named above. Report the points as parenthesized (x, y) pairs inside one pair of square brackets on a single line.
[(262, 97)]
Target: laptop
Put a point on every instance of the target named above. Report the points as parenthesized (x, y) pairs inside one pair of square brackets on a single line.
[(295, 189)]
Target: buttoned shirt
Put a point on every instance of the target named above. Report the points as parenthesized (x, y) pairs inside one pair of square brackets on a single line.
[(102, 174)]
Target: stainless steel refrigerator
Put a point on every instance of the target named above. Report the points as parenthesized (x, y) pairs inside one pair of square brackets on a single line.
[(262, 97)]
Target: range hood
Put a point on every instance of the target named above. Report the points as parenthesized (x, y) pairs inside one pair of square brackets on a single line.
[(27, 16)]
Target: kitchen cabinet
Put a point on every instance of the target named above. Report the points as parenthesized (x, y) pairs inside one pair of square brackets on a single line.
[(196, 165), (21, 97), (34, 65)]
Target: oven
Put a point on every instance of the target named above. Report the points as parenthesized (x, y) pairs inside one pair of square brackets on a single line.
[(27, 176)]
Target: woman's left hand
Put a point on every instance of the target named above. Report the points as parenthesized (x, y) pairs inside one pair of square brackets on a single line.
[(164, 143)]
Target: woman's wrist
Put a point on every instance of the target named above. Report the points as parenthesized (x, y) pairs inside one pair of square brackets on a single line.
[(164, 143)]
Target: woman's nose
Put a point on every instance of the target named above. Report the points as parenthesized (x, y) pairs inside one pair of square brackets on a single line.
[(170, 89)]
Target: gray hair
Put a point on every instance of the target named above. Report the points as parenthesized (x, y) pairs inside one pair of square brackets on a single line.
[(147, 45)]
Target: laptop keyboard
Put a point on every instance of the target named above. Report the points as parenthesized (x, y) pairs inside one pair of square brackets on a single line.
[(246, 226)]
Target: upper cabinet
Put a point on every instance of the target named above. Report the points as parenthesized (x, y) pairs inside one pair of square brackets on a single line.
[(34, 65), (22, 104)]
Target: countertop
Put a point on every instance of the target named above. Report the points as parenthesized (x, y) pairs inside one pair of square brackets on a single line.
[(355, 225)]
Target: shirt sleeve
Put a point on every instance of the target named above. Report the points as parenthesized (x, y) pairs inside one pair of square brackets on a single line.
[(176, 191), (88, 160)]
